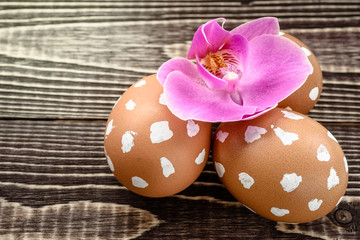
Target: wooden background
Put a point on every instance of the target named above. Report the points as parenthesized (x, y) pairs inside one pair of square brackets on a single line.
[(63, 64)]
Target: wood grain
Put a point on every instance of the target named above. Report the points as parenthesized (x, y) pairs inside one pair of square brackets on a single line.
[(74, 220), (63, 64), (72, 60), (53, 164)]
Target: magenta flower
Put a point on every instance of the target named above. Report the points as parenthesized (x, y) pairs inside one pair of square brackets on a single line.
[(238, 75)]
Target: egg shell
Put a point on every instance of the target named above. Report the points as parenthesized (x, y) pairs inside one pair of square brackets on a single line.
[(283, 165), (149, 150), (305, 98)]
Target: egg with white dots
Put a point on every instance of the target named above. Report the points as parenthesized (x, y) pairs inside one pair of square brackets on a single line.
[(148, 149), (283, 165), (305, 97)]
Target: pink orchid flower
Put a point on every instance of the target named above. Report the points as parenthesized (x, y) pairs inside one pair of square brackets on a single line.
[(238, 75)]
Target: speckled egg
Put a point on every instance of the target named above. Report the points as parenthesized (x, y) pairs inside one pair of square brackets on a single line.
[(149, 150), (305, 98), (283, 165)]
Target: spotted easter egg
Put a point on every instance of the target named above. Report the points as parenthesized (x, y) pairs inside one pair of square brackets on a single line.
[(149, 150), (305, 98), (282, 165)]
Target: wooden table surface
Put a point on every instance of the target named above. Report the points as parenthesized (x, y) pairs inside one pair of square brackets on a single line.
[(63, 64)]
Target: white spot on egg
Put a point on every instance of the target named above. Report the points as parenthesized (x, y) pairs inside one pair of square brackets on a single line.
[(130, 105), (246, 180), (314, 93), (220, 170), (167, 167), (287, 138), (333, 179), (140, 83), (249, 208), (292, 116), (323, 154), (281, 33), (162, 99), (109, 128), (200, 158), (105, 150), (221, 136), (288, 108), (117, 102), (279, 212), (314, 204), (111, 165), (139, 182), (339, 201), (160, 132), (331, 136), (127, 141), (306, 51), (192, 128), (290, 182), (346, 165), (253, 133)]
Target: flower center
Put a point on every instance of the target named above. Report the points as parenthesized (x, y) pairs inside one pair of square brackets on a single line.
[(225, 65), (214, 62)]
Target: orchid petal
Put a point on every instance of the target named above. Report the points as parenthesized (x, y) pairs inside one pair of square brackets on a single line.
[(189, 100), (261, 26), (276, 68), (257, 114), (208, 38), (211, 80), (238, 46), (176, 64)]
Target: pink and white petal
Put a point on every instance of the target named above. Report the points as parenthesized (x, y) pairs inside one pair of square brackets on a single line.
[(188, 100), (238, 47), (177, 64), (211, 80), (209, 37), (257, 27), (276, 68), (258, 113), (216, 34)]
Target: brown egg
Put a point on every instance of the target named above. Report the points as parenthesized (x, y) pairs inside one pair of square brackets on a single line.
[(305, 98), (149, 150), (282, 165)]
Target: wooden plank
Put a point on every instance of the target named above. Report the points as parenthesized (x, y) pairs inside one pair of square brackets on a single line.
[(31, 95), (152, 218), (74, 220), (48, 152), (55, 180), (72, 60)]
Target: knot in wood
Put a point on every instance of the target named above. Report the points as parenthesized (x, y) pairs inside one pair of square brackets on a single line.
[(343, 216)]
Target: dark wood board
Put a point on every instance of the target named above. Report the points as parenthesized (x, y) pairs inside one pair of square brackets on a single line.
[(56, 166), (63, 65)]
